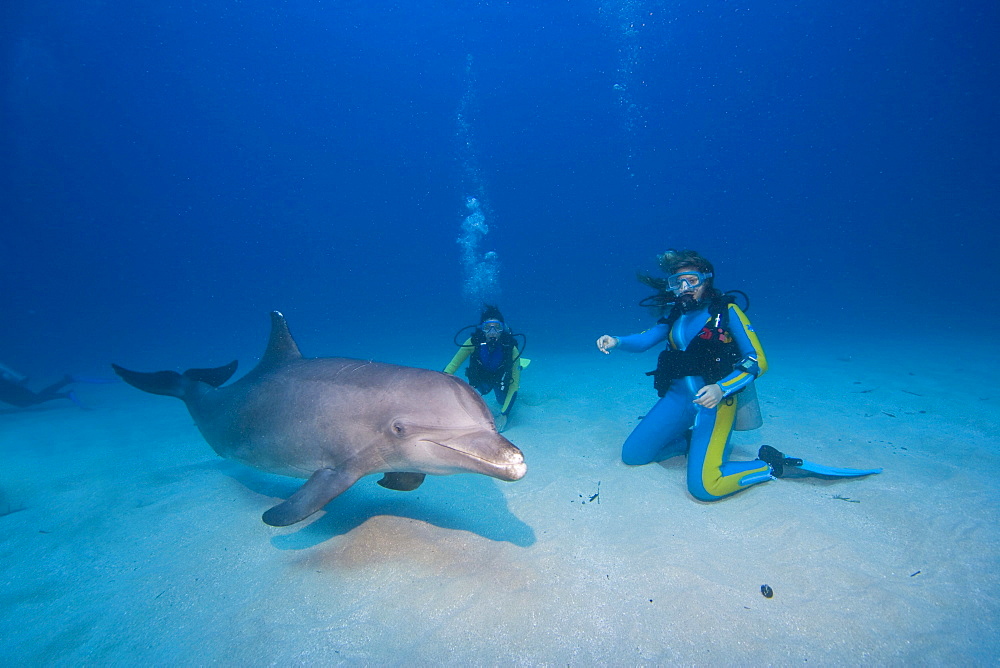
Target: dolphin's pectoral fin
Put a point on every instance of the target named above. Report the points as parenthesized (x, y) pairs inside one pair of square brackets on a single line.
[(322, 486), (402, 482)]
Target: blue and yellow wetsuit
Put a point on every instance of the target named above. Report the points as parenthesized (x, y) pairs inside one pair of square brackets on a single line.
[(499, 369), (676, 424)]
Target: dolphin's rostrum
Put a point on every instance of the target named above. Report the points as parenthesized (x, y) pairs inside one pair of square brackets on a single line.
[(333, 420)]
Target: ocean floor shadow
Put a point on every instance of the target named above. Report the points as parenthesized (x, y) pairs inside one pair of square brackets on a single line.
[(471, 503), (535, 398), (8, 507), (819, 480)]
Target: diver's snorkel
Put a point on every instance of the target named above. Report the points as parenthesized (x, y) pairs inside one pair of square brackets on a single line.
[(664, 300)]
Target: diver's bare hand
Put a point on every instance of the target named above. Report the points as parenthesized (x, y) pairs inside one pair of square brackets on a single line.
[(709, 396), (606, 343)]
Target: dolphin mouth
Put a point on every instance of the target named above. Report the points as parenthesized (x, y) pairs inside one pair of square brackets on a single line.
[(510, 470)]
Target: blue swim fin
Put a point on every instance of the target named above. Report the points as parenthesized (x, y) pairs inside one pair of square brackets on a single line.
[(778, 461), (833, 471)]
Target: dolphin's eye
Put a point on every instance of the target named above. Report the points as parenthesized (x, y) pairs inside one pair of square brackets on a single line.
[(398, 429)]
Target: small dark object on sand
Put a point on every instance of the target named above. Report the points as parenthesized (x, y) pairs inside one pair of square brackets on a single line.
[(766, 591)]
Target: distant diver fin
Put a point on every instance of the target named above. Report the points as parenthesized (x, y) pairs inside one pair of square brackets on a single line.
[(778, 461), (402, 482), (93, 380), (71, 395)]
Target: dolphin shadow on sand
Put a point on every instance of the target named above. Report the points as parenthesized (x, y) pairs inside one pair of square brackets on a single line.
[(461, 503), (334, 420)]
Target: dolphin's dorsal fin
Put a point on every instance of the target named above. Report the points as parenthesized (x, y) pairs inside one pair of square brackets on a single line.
[(281, 347)]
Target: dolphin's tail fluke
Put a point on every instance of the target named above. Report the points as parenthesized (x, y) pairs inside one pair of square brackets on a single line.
[(173, 384), (214, 377)]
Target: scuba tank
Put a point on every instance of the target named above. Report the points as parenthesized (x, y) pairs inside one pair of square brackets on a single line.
[(748, 415)]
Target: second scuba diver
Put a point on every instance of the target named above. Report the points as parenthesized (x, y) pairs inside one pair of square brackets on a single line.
[(495, 361), (712, 354), (14, 391)]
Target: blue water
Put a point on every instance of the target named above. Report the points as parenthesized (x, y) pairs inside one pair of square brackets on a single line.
[(172, 171)]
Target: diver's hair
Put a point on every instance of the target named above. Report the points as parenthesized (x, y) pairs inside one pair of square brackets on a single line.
[(671, 261), (652, 281), (491, 312)]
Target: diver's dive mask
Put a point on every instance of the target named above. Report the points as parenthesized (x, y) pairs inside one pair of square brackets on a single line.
[(685, 281), (492, 327)]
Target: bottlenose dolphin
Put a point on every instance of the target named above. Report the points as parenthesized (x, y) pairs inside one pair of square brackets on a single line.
[(333, 420)]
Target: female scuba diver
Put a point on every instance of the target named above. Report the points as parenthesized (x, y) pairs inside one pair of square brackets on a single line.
[(495, 364), (712, 354)]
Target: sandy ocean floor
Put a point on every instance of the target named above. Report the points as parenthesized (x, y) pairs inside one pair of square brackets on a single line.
[(126, 541)]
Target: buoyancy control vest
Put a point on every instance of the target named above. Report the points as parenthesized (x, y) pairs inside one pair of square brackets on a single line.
[(491, 364), (712, 353)]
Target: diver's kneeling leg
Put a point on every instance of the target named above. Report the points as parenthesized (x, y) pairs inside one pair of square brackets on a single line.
[(661, 434), (710, 478), (501, 396)]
